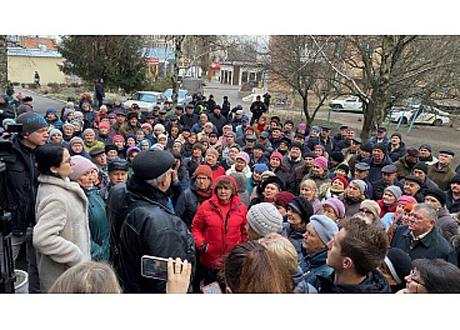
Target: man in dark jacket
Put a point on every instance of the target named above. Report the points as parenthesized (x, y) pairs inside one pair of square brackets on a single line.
[(441, 172), (453, 195), (294, 159), (18, 188), (150, 227), (100, 92), (421, 239), (218, 120), (406, 164), (447, 226), (389, 178), (355, 253), (378, 160), (257, 109), (189, 118)]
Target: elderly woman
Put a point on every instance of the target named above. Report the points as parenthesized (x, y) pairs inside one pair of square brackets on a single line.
[(61, 235), (309, 191), (211, 158), (353, 196), (218, 225), (84, 173)]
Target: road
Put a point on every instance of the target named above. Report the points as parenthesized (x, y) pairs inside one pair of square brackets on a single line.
[(41, 103)]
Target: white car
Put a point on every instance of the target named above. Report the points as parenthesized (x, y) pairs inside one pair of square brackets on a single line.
[(425, 115), (184, 96), (349, 104), (145, 100)]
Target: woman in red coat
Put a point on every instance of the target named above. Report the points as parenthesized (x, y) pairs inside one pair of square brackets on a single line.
[(218, 225)]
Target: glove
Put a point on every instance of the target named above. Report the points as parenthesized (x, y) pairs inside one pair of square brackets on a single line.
[(204, 247)]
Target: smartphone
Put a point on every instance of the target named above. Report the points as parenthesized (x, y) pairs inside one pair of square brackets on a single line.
[(213, 287), (154, 267)]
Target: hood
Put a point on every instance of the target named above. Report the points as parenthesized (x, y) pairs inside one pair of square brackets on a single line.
[(222, 177)]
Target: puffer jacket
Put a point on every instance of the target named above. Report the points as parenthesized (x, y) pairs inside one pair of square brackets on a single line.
[(218, 231), (149, 228), (374, 282), (98, 226)]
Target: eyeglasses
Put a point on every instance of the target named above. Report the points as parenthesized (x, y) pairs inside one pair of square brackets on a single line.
[(412, 278)]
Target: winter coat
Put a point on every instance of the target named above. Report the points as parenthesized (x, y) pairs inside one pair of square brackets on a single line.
[(188, 120), (403, 168), (314, 266), (257, 108), (351, 206), (187, 204), (384, 209), (61, 235), (217, 171), (452, 204), (299, 174), (98, 226), (378, 189), (292, 165), (219, 232), (218, 121), (149, 228), (20, 179), (295, 237), (441, 177), (432, 246), (374, 282), (397, 153), (375, 171), (323, 183), (446, 224)]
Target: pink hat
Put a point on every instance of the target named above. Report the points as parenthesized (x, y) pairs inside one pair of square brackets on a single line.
[(118, 138), (80, 165), (147, 125), (276, 154), (244, 156), (404, 200), (104, 124), (321, 162)]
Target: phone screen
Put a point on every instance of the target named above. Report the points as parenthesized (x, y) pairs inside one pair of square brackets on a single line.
[(154, 267)]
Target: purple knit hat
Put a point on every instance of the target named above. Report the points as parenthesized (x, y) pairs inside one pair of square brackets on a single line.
[(80, 165), (244, 156), (321, 162), (337, 205)]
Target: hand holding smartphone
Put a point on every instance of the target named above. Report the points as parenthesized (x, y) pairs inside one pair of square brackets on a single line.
[(175, 272)]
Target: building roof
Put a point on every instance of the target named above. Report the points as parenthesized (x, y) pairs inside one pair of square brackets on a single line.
[(32, 52)]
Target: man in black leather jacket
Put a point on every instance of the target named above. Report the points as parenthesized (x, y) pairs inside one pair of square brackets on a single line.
[(150, 226)]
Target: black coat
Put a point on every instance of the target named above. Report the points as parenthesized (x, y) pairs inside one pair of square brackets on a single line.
[(452, 205), (375, 282), (187, 205), (189, 120), (150, 228), (432, 246), (18, 186)]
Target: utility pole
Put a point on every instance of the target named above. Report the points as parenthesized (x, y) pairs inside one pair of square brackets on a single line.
[(3, 63)]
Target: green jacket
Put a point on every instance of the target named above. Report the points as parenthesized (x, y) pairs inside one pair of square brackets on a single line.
[(98, 226)]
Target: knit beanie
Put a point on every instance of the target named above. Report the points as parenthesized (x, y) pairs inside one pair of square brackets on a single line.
[(372, 206), (455, 179), (404, 200), (341, 178), (131, 150), (422, 166), (321, 162), (87, 131), (55, 131), (76, 139), (315, 128), (244, 156), (104, 124), (438, 194), (337, 205), (425, 146), (118, 138), (399, 263), (68, 125), (80, 165), (302, 207), (260, 168), (276, 154), (31, 122), (361, 184), (147, 125), (324, 226), (264, 218), (337, 156), (283, 198), (203, 170), (394, 190), (67, 111), (343, 167)]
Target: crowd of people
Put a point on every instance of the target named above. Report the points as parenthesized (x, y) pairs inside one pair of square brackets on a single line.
[(238, 204)]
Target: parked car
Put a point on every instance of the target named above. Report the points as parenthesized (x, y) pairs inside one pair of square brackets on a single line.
[(349, 104), (425, 114), (145, 100), (183, 98)]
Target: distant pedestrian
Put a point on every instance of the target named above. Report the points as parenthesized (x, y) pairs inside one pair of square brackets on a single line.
[(267, 98), (99, 92), (37, 79)]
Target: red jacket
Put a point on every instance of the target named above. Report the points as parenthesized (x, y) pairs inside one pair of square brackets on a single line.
[(221, 235)]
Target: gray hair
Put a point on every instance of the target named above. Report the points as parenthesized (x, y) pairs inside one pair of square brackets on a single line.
[(430, 211), (155, 183)]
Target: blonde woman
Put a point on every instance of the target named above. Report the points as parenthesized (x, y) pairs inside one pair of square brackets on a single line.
[(309, 191)]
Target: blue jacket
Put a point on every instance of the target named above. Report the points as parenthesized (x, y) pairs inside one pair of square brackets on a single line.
[(295, 237), (314, 265), (374, 282)]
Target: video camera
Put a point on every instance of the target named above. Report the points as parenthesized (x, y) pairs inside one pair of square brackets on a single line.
[(7, 275)]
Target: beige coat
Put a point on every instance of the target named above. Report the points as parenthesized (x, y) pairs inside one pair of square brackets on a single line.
[(61, 235)]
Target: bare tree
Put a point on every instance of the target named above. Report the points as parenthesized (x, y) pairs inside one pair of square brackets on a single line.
[(3, 63), (383, 69)]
